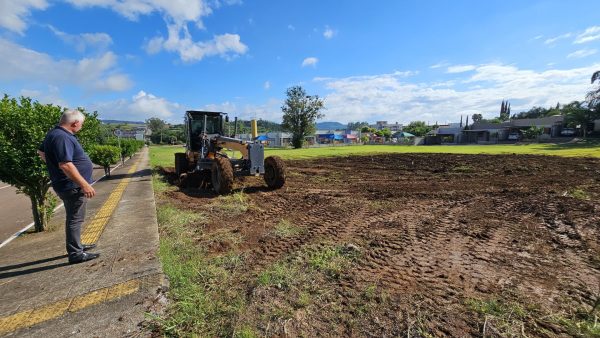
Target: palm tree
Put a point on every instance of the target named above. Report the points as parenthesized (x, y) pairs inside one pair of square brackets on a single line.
[(593, 96), (596, 76)]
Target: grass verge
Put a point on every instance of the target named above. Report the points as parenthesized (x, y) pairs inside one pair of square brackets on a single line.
[(508, 318)]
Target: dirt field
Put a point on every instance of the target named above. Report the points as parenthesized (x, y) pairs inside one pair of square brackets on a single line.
[(419, 244)]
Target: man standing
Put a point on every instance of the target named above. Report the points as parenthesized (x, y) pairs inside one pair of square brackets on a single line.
[(70, 171)]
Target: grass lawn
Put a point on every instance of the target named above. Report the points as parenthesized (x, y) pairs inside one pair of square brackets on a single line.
[(163, 155)]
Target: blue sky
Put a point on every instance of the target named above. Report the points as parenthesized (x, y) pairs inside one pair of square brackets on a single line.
[(387, 60)]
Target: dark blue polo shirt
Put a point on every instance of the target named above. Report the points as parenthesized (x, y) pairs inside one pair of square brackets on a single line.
[(62, 146)]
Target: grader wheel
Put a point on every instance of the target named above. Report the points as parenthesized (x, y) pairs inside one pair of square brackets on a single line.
[(222, 176), (181, 164), (274, 172)]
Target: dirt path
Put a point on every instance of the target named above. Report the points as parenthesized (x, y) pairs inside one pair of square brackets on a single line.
[(433, 233)]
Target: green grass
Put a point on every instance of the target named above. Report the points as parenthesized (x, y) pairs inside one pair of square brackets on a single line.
[(579, 194), (201, 295), (511, 319), (163, 155), (333, 261), (281, 275), (234, 204), (286, 229)]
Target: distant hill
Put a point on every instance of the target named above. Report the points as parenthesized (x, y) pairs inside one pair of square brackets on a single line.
[(330, 125), (121, 122)]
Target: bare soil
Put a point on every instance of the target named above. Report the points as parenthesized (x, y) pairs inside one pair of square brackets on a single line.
[(432, 236)]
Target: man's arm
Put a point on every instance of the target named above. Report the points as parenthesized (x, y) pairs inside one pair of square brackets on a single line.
[(71, 171), (42, 155)]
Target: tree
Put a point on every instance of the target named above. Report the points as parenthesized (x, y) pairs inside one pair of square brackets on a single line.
[(577, 114), (105, 156), (593, 97), (504, 111), (417, 128), (367, 129), (385, 132), (357, 125), (533, 113), (477, 118), (157, 126), (23, 126), (300, 111), (533, 132)]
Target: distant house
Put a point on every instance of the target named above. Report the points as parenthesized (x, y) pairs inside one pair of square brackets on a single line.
[(451, 133), (552, 125), (277, 139), (137, 133), (393, 127), (482, 132)]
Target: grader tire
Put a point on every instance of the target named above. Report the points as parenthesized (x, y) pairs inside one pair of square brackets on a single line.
[(274, 172), (181, 164), (222, 176)]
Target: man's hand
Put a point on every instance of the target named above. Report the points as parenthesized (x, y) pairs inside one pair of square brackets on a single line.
[(88, 191), (71, 171), (42, 155)]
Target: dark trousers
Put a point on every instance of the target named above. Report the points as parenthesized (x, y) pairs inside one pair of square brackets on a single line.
[(75, 203)]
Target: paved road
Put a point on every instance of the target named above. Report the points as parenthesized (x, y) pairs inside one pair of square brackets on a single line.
[(15, 209)]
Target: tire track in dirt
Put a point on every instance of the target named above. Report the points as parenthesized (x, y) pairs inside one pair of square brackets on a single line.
[(435, 230)]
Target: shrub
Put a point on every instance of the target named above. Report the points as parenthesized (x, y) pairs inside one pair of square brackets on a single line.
[(105, 155)]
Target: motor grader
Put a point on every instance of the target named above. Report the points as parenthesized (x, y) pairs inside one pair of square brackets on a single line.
[(206, 163)]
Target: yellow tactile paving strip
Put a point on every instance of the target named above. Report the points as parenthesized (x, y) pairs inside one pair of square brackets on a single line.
[(93, 230), (47, 312)]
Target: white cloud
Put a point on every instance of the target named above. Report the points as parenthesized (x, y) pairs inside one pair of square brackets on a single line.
[(49, 94), (329, 33), (177, 14), (140, 107), (291, 27), (391, 97), (439, 65), (13, 13), (178, 10), (270, 110), (84, 40), (590, 34), (460, 69), (23, 64), (556, 38), (310, 61), (582, 53), (180, 41), (267, 85)]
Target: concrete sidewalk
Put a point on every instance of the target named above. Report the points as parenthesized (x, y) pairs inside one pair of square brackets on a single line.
[(42, 295)]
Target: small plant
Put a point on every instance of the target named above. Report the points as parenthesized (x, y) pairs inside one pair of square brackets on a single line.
[(333, 261), (234, 204), (286, 229), (304, 299), (245, 332), (579, 194), (462, 169), (280, 275)]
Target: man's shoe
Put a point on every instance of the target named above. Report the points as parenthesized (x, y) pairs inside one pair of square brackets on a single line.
[(87, 247), (83, 257)]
